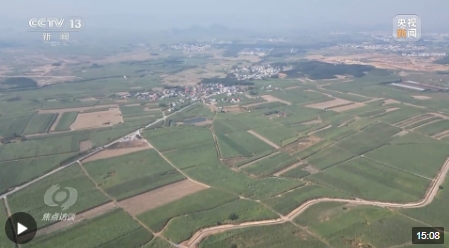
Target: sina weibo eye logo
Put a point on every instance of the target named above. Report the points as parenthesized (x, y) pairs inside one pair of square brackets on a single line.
[(55, 196)]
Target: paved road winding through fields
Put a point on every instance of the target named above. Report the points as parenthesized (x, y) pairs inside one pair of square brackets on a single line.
[(427, 199)]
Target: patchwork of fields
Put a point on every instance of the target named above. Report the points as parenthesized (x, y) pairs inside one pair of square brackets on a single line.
[(192, 183)]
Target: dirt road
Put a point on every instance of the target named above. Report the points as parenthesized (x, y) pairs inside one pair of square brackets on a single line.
[(427, 199)]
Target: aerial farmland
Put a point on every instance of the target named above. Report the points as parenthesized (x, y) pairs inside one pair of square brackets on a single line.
[(316, 155)]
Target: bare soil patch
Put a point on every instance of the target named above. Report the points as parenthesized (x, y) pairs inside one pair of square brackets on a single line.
[(390, 101), (253, 104), (441, 135), (401, 133), (430, 122), (329, 104), (85, 145), (159, 197), (233, 161), (421, 97), (313, 122), (234, 109), (270, 98), (79, 217), (282, 75), (348, 107), (97, 119), (403, 74), (120, 149), (413, 120), (269, 142), (292, 87), (385, 61), (148, 109), (311, 169), (90, 99), (203, 123), (301, 144), (55, 123)]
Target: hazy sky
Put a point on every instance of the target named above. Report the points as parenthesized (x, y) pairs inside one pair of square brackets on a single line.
[(340, 15)]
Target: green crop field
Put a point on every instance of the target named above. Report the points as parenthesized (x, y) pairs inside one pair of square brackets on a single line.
[(15, 173), (183, 227), (289, 201), (361, 143), (299, 116), (297, 172), (413, 157), (342, 225), (253, 158), (132, 174), (434, 128), (67, 103), (372, 113), (264, 236), (328, 157), (178, 137), (382, 130), (4, 241), (336, 133), (241, 144), (108, 135), (30, 199), (114, 229), (300, 97), (415, 138), (66, 120), (40, 123), (271, 164), (399, 115), (420, 123), (14, 126), (320, 212), (42, 146), (309, 151), (380, 151), (219, 176), (188, 156), (133, 111), (201, 201), (370, 180), (277, 134), (433, 214), (158, 243)]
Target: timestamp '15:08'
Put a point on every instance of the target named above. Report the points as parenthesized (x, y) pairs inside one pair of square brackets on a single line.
[(428, 235)]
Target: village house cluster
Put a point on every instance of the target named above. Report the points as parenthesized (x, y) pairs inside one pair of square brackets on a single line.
[(256, 51), (386, 47), (189, 93), (258, 71), (190, 47)]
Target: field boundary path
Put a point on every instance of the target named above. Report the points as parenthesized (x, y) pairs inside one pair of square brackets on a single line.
[(269, 142), (91, 153), (427, 199)]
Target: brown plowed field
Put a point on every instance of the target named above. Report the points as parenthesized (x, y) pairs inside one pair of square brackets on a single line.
[(159, 197)]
